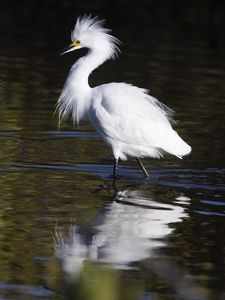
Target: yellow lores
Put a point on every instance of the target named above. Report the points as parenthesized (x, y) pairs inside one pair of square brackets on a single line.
[(74, 44)]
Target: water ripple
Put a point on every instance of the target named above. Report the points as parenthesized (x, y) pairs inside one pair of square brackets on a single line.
[(180, 178)]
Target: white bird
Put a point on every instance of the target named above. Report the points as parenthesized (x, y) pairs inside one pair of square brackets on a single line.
[(129, 120)]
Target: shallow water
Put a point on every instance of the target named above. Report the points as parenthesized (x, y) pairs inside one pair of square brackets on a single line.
[(64, 233)]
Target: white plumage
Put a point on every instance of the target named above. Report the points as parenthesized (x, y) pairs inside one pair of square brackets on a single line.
[(132, 122)]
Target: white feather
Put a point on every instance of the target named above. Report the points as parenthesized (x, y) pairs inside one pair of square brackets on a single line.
[(126, 117)]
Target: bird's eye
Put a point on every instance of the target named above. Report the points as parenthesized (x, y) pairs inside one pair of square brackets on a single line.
[(74, 44)]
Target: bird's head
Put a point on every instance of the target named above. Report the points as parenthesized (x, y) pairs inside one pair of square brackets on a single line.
[(90, 33)]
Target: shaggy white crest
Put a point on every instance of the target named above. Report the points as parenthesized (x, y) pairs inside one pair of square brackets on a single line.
[(90, 31), (131, 122)]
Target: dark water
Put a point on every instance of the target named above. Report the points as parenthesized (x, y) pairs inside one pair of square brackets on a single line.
[(64, 234)]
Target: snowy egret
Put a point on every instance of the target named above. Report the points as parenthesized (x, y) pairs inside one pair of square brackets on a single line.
[(129, 120)]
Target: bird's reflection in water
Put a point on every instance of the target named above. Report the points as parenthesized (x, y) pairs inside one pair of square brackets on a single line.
[(126, 230)]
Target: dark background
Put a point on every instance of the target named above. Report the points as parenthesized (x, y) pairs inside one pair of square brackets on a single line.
[(136, 18)]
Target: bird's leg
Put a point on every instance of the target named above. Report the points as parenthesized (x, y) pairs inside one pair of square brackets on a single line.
[(115, 167), (142, 167), (115, 170)]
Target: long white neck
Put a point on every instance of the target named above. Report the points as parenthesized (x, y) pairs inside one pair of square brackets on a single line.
[(77, 94), (82, 68)]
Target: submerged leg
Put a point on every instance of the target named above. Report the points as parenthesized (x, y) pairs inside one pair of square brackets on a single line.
[(115, 171), (115, 168), (142, 167)]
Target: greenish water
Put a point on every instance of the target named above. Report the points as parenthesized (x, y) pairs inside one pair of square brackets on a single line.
[(64, 233)]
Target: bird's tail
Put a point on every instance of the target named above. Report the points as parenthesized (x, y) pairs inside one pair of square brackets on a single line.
[(175, 145)]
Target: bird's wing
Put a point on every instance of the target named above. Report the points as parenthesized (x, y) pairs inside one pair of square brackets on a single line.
[(126, 113)]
